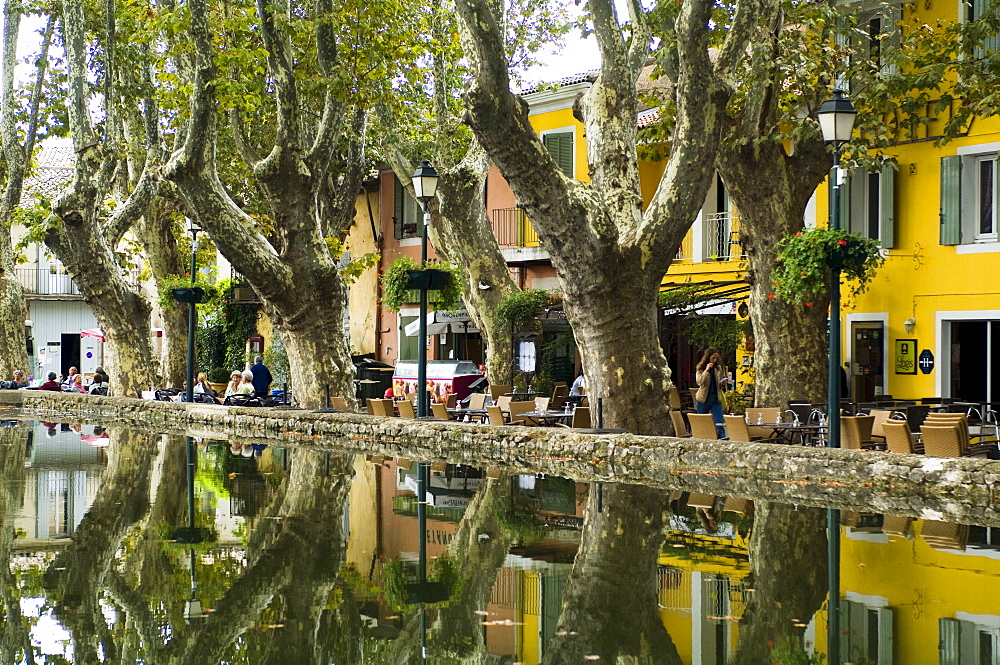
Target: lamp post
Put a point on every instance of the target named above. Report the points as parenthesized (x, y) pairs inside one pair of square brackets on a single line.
[(425, 180), (836, 120), (192, 228)]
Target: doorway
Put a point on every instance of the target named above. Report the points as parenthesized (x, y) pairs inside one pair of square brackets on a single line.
[(974, 376), (867, 361), (70, 354)]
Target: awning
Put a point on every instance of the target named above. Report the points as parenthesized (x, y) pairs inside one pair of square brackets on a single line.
[(93, 332), (443, 321), (709, 297)]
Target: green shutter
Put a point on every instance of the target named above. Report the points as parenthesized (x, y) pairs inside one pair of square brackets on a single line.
[(951, 200), (397, 211), (845, 631), (884, 636), (844, 219), (887, 206), (560, 145), (948, 641), (991, 42)]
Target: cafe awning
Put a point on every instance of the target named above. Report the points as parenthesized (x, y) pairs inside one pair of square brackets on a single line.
[(93, 332), (443, 321)]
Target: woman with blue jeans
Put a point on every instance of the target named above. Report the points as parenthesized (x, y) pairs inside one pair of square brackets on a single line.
[(710, 375)]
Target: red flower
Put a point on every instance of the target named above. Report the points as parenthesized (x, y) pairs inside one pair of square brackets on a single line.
[(770, 296), (809, 304), (798, 234), (841, 242), (223, 314)]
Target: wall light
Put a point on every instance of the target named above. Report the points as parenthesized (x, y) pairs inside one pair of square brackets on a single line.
[(909, 324)]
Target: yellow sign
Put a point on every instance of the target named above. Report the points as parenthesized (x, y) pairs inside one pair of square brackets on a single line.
[(906, 356)]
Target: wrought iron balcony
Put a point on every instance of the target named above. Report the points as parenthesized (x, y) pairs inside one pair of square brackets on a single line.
[(46, 281), (721, 234)]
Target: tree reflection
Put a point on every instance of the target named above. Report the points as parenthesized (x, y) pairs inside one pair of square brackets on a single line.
[(610, 610), (15, 640), (788, 563)]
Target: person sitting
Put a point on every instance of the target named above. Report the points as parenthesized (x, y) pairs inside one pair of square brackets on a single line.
[(19, 381), (246, 388), (201, 387), (100, 384), (76, 385), (51, 384), (235, 380), (67, 383)]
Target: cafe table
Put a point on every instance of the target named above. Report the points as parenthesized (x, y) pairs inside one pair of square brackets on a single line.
[(795, 433), (473, 415), (548, 418)]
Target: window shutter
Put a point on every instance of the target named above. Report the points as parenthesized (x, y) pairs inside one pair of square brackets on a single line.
[(845, 629), (951, 200), (397, 212), (560, 145), (948, 641), (844, 220), (884, 636), (887, 206)]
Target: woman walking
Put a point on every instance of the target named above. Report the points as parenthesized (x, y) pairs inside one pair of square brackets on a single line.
[(710, 375)]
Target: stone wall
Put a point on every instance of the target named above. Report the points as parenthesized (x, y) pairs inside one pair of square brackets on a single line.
[(934, 488)]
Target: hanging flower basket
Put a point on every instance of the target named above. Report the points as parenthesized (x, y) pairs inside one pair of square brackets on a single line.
[(403, 280), (806, 259)]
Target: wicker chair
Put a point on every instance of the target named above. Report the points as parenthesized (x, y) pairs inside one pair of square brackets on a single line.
[(495, 415), (766, 414), (406, 409), (944, 440), (737, 429), (382, 407), (701, 500), (702, 426), (452, 401), (896, 525), (542, 403), (559, 393), (440, 411), (498, 389), (477, 400), (339, 403), (581, 418), (503, 402), (897, 437), (517, 408), (945, 535), (882, 416), (856, 432), (680, 427)]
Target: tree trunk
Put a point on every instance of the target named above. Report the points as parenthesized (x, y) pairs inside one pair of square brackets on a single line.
[(156, 231), (15, 638), (610, 602), (790, 360), (786, 593)]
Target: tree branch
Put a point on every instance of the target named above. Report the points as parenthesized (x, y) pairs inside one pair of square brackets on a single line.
[(280, 68), (329, 127)]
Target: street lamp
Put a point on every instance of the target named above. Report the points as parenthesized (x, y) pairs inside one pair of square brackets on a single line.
[(425, 180), (836, 120), (192, 228)]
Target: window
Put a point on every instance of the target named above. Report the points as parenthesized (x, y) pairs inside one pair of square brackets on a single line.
[(866, 633), (974, 10), (559, 142), (969, 640), (408, 214), (867, 204), (969, 198)]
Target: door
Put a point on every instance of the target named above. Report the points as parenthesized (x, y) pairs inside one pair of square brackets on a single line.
[(868, 361), (70, 356), (974, 370)]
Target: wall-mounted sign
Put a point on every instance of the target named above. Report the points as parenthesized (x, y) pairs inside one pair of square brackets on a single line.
[(906, 356), (926, 361)]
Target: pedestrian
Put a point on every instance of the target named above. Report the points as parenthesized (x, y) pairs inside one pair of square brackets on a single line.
[(710, 375), (261, 378)]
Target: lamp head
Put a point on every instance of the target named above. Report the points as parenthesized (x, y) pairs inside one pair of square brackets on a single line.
[(193, 227), (909, 325), (425, 180), (836, 118)]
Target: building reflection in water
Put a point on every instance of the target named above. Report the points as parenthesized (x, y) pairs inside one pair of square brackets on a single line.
[(301, 543)]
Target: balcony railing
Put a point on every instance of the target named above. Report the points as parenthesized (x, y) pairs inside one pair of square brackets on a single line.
[(43, 281), (512, 228), (722, 236)]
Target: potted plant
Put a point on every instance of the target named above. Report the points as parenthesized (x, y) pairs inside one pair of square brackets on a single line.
[(805, 261), (401, 280), (218, 378)]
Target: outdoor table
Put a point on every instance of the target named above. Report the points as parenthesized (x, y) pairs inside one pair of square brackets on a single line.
[(791, 433), (521, 397), (479, 415), (548, 418)]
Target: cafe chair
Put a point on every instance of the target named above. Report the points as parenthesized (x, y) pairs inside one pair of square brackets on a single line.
[(680, 427), (702, 426), (581, 418), (440, 411), (382, 407), (498, 389), (737, 505), (856, 432), (495, 415), (452, 401), (517, 408), (897, 437), (406, 409), (339, 403), (542, 403), (737, 429), (477, 400), (766, 414), (674, 397), (559, 393), (881, 417), (701, 500), (503, 402)]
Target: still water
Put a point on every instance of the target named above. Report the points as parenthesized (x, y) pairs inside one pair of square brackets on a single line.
[(298, 556)]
